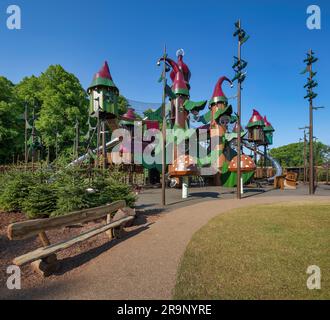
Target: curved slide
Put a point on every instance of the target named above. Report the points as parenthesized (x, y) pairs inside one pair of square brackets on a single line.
[(275, 163), (81, 159)]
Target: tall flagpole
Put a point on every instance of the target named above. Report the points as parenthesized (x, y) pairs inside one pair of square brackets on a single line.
[(164, 132), (311, 95), (239, 123), (311, 151), (240, 76)]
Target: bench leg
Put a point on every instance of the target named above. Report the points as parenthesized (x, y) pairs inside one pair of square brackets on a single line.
[(46, 266), (118, 232), (109, 232)]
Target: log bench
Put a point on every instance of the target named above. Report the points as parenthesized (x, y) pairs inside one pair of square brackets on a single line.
[(279, 182), (44, 259), (291, 181)]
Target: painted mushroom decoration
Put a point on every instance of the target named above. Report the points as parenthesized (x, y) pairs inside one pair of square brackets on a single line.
[(247, 164), (184, 165)]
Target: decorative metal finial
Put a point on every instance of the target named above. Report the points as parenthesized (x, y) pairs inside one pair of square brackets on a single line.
[(180, 52)]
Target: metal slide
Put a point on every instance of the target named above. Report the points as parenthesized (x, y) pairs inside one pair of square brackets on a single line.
[(275, 163), (109, 145)]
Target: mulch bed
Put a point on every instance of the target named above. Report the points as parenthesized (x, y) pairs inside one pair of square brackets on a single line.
[(73, 259)]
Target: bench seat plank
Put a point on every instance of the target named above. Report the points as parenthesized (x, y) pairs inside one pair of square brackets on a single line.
[(46, 251), (30, 228)]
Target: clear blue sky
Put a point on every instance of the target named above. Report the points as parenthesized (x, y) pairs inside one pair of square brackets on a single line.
[(80, 35)]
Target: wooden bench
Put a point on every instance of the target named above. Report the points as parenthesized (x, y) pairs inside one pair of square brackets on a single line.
[(279, 182), (291, 180), (44, 259)]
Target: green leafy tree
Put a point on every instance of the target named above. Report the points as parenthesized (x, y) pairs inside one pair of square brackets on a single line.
[(64, 102), (11, 122), (123, 105), (29, 91), (59, 102), (291, 155), (147, 112)]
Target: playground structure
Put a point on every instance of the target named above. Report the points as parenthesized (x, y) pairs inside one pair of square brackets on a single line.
[(218, 122)]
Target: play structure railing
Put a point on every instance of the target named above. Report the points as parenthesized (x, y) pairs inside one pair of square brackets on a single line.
[(44, 259)]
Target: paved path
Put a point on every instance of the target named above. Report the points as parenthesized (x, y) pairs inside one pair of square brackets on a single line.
[(144, 266)]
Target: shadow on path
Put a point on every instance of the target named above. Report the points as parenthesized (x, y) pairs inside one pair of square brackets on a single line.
[(70, 263)]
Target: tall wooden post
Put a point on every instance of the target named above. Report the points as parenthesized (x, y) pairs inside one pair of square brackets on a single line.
[(56, 144), (239, 126), (26, 152), (33, 139), (305, 153), (311, 96), (164, 133), (104, 148), (305, 157), (98, 133), (311, 150), (76, 144), (48, 156)]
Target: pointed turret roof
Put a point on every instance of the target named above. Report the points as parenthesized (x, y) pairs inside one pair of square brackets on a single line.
[(179, 84), (183, 68), (218, 95), (103, 78), (129, 115), (268, 125), (256, 120)]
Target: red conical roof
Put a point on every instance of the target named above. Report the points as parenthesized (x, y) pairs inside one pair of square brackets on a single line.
[(103, 78), (104, 72), (183, 67), (179, 84), (129, 115), (268, 125), (256, 120), (218, 95)]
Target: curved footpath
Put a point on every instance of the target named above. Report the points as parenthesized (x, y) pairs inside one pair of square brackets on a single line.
[(144, 266)]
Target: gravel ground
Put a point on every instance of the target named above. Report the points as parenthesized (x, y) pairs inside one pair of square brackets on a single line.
[(73, 260)]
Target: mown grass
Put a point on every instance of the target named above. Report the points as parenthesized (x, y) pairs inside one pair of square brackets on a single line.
[(260, 252)]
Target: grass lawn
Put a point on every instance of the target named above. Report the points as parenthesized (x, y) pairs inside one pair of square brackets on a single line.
[(259, 252)]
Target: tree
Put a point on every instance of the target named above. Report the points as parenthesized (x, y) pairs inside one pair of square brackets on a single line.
[(147, 112), (11, 122), (291, 155), (59, 102), (64, 102), (123, 105), (29, 91)]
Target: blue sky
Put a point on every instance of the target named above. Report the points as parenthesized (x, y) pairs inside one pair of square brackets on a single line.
[(80, 35)]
